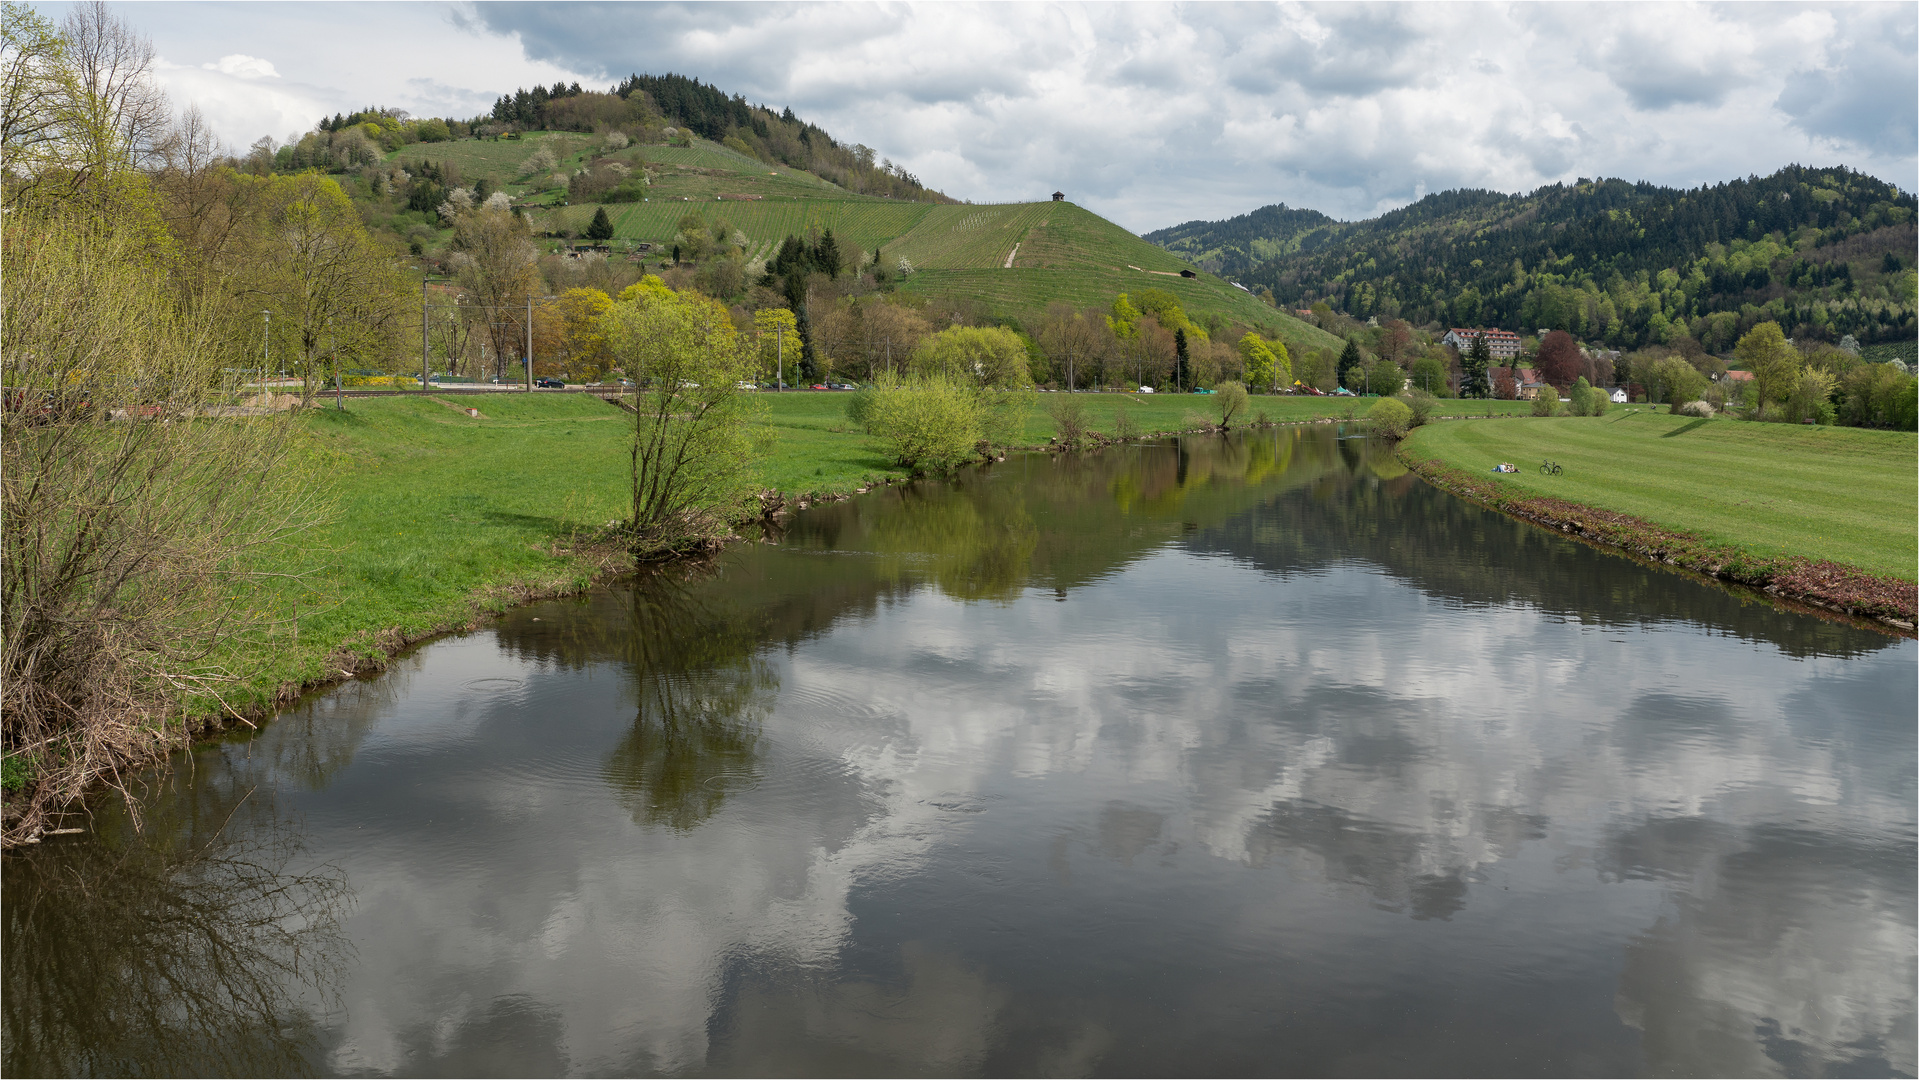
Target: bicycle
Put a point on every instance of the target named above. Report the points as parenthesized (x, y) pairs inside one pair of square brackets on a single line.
[(1549, 468)]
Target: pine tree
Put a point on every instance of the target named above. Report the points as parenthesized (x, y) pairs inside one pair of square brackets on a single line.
[(1473, 366), (601, 230), (1179, 363), (826, 255), (1349, 361)]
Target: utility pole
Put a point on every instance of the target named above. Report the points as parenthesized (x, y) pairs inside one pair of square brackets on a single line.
[(426, 370), (779, 354), (529, 342)]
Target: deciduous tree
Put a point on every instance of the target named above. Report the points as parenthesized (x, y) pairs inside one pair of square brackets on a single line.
[(1559, 361), (988, 356), (693, 468), (1774, 363), (495, 261), (337, 299)]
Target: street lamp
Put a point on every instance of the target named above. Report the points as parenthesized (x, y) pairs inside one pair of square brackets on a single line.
[(266, 349)]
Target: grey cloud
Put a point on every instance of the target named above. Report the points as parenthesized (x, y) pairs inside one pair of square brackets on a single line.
[(1156, 113), (1866, 97)]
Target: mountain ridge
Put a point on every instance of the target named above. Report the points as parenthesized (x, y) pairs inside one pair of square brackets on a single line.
[(1824, 251)]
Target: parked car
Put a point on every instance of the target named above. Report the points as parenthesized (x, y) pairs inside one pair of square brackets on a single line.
[(817, 386), (550, 383), (1145, 389), (842, 386), (1343, 392)]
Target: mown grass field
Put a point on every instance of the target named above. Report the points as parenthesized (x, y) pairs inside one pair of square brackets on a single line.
[(1844, 494)]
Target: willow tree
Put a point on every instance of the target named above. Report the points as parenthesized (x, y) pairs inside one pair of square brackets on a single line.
[(136, 504), (134, 507), (693, 460)]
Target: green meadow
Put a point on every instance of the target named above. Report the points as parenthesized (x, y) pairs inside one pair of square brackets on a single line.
[(1844, 494)]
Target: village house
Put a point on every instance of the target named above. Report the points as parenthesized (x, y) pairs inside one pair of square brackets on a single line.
[(1503, 344), (1527, 384)]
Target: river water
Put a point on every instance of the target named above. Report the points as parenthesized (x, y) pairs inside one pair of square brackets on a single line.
[(1252, 756)]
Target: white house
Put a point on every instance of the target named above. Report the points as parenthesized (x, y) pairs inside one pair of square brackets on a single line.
[(1503, 344)]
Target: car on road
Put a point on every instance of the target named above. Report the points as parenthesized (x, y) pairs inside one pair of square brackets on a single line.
[(818, 386), (550, 383)]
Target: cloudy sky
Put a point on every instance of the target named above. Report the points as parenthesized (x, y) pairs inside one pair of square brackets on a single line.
[(1150, 114)]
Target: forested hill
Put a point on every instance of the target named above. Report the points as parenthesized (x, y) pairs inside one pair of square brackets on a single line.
[(1825, 252), (777, 138)]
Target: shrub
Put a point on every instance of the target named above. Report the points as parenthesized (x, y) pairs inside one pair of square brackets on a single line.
[(928, 423), (1231, 398), (1811, 399), (1422, 405), (1877, 395), (1694, 408), (1069, 418), (1580, 403), (1547, 403), (1391, 417), (1676, 381), (1123, 425), (541, 160)]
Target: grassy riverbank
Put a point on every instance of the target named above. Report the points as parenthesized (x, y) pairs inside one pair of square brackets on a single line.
[(1844, 494), (435, 517), (1822, 514)]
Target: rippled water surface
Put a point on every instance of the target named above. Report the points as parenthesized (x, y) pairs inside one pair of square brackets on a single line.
[(1251, 757)]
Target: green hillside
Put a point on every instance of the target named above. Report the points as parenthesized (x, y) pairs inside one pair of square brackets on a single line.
[(1009, 260), (1824, 252), (1057, 251)]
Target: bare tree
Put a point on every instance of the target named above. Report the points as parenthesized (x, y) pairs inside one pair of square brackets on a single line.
[(496, 263), (1070, 338), (121, 114), (36, 95)]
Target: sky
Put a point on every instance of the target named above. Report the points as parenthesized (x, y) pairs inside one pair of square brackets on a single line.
[(1150, 114)]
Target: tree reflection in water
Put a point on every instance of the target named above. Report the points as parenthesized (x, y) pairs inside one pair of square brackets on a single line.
[(703, 694), (199, 943)]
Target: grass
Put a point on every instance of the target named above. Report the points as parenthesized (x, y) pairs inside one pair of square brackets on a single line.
[(1842, 494), (433, 517)]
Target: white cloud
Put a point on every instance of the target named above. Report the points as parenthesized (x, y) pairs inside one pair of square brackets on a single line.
[(242, 66), (1151, 114)]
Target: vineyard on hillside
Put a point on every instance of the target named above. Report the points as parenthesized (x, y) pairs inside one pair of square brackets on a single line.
[(968, 237)]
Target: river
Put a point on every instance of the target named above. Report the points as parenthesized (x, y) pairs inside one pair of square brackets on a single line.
[(1249, 756)]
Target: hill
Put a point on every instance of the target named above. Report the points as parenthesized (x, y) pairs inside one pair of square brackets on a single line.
[(1825, 252), (657, 148)]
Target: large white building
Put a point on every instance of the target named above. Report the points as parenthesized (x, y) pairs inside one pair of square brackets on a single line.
[(1503, 344)]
